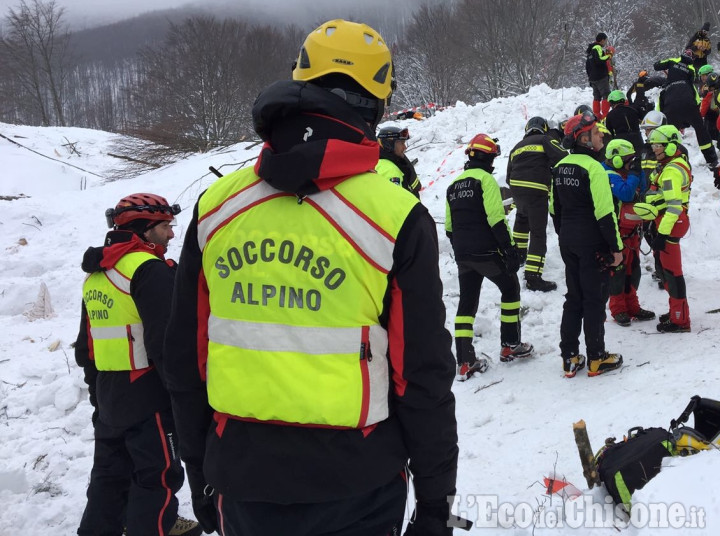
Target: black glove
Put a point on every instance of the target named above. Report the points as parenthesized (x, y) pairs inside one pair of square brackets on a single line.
[(716, 176), (435, 519), (511, 257), (201, 496), (658, 243), (205, 511)]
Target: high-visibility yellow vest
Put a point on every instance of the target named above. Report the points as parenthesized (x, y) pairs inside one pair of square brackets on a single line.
[(295, 293), (115, 326), (674, 183)]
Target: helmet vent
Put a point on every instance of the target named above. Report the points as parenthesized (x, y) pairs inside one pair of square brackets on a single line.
[(369, 38), (382, 74), (304, 60), (330, 30)]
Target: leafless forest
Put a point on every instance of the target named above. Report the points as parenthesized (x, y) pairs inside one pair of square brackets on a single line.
[(189, 81)]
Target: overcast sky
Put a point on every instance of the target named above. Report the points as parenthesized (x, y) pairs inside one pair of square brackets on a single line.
[(87, 13)]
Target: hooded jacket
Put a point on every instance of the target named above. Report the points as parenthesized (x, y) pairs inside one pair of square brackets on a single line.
[(123, 398), (314, 141)]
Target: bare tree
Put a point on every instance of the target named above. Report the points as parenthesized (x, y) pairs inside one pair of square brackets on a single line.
[(431, 54), (36, 52)]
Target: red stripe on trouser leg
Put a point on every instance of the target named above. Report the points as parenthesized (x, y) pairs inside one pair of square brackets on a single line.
[(596, 107), (166, 454)]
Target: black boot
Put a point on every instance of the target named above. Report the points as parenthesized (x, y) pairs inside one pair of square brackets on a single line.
[(534, 281)]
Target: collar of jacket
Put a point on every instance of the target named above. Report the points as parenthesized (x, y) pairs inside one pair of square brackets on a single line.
[(580, 149), (475, 164), (117, 244), (313, 139), (402, 162)]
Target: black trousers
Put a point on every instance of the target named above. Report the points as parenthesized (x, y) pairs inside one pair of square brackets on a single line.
[(471, 275), (682, 112), (531, 225), (377, 513), (584, 309), (135, 476)]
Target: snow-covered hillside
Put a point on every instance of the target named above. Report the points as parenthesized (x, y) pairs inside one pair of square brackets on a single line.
[(515, 421)]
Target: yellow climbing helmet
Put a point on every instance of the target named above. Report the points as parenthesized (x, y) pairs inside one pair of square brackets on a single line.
[(349, 48)]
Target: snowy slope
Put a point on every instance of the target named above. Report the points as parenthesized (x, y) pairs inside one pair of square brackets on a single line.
[(515, 421)]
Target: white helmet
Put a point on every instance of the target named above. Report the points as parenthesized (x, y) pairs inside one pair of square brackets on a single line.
[(653, 119)]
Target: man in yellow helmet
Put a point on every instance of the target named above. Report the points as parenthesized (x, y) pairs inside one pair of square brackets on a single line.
[(310, 362), (126, 300)]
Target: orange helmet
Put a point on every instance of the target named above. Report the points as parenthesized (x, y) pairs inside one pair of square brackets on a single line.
[(482, 144), (580, 123), (151, 207)]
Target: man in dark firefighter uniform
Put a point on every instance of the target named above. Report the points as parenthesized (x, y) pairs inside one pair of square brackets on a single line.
[(680, 102), (126, 301), (584, 217), (393, 163), (478, 231), (670, 193), (310, 362), (528, 175), (628, 186)]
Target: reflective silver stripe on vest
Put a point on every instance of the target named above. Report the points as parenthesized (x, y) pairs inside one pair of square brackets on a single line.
[(137, 331), (378, 407), (283, 338), (314, 341), (377, 246), (212, 222), (119, 280)]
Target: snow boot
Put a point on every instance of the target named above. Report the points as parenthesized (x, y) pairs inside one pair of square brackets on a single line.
[(623, 319), (185, 527), (604, 364), (665, 317), (670, 327), (535, 282), (519, 351), (571, 365), (466, 370), (643, 314)]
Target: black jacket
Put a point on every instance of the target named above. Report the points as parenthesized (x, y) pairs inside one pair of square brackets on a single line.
[(636, 94), (596, 62), (258, 461), (475, 218), (531, 162), (678, 70), (623, 122), (123, 398), (582, 204)]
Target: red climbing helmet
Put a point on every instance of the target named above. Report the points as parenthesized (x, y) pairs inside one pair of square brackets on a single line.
[(149, 207)]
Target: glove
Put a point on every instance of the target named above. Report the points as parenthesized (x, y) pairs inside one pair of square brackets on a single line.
[(202, 501), (430, 520), (511, 257), (658, 243), (435, 519), (205, 511), (716, 177)]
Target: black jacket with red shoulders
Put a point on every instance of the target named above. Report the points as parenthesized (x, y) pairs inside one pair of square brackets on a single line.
[(123, 398), (259, 461)]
